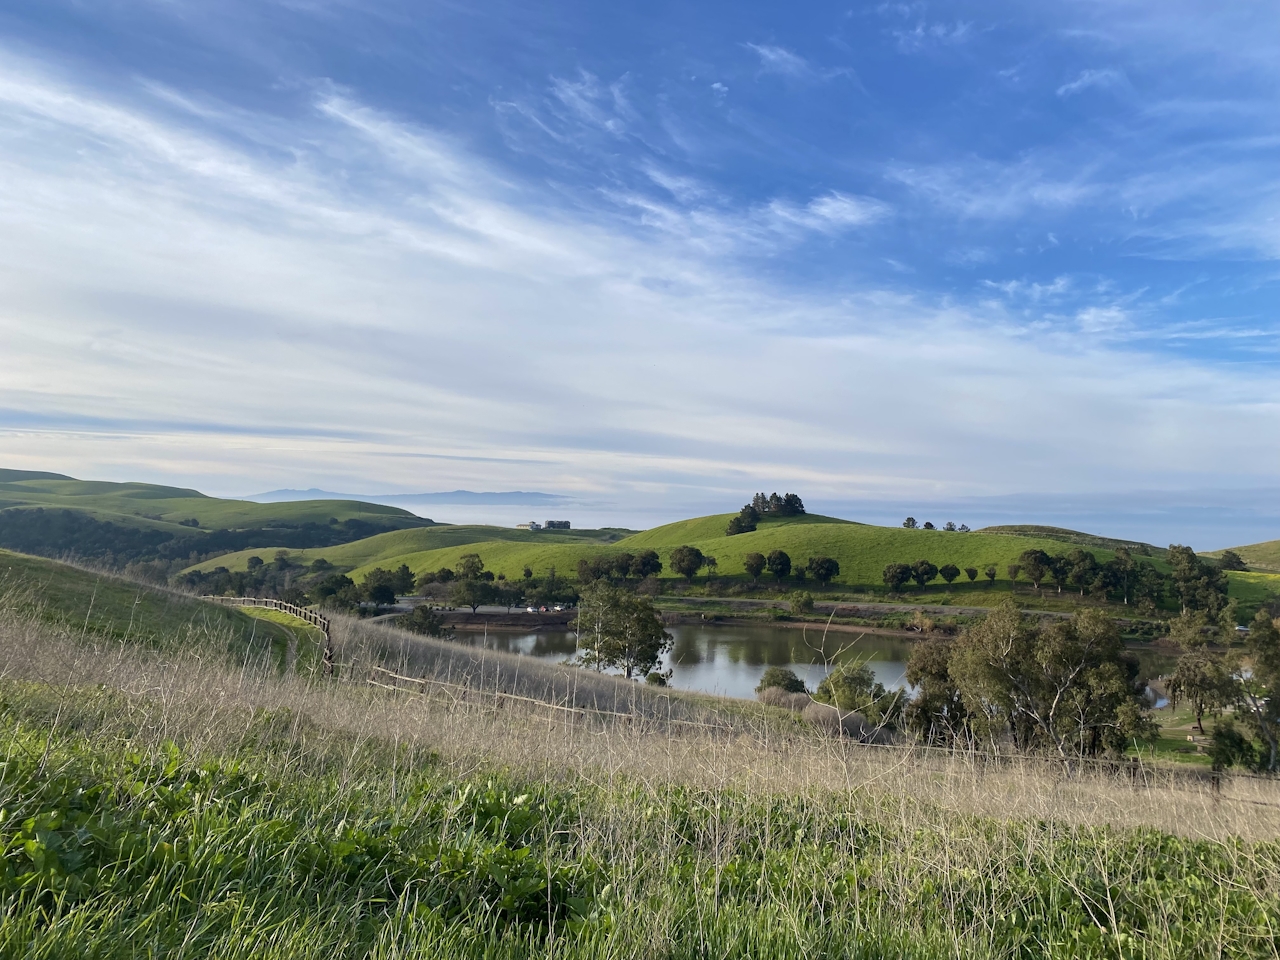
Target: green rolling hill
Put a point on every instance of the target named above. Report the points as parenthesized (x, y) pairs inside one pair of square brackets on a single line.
[(398, 546), (862, 550), (1260, 556), (1089, 541), (159, 507), (119, 523), (120, 610)]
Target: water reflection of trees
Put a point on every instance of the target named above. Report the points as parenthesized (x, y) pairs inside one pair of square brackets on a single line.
[(780, 646), (736, 647), (686, 650), (553, 644)]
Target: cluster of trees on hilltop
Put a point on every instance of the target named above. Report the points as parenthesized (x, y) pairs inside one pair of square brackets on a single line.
[(787, 505), (911, 524)]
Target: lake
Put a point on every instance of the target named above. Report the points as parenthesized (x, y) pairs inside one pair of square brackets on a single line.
[(728, 659)]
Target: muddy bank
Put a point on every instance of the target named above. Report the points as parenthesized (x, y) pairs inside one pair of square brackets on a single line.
[(694, 619), (504, 622)]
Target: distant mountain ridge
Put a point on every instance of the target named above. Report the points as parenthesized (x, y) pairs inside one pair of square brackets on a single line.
[(491, 498)]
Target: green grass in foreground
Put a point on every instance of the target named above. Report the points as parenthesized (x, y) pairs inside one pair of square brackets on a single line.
[(288, 841)]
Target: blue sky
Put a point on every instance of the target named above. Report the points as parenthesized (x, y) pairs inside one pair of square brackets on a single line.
[(655, 256)]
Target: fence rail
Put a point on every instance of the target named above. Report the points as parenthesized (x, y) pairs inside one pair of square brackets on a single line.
[(302, 613)]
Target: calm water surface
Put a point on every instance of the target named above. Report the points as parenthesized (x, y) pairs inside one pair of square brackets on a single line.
[(728, 660)]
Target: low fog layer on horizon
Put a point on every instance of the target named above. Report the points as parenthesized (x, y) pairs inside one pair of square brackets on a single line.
[(1019, 262), (1202, 519)]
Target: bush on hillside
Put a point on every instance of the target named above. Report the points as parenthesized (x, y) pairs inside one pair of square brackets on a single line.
[(852, 686), (744, 522), (783, 678), (424, 620), (896, 576), (687, 561), (1231, 560), (823, 568)]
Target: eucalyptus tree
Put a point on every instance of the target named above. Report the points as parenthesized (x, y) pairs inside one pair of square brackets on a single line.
[(619, 629)]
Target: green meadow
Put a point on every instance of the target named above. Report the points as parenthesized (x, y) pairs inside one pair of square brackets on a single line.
[(862, 550)]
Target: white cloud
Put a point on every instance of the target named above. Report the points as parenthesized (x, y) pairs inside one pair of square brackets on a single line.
[(368, 303), (831, 213), (781, 61), (925, 34), (716, 229), (994, 190), (1110, 319), (1102, 79)]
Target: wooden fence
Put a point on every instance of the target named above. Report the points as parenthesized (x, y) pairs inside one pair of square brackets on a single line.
[(302, 613)]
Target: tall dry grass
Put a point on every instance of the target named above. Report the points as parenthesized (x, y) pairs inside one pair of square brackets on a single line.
[(478, 708), (721, 833)]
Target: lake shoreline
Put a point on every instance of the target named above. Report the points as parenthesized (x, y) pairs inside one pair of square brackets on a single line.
[(532, 622)]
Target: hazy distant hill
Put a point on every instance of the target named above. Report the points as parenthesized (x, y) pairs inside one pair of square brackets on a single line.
[(52, 515), (512, 498)]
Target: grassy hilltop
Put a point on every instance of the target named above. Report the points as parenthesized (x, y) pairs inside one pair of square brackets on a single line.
[(159, 507), (861, 549), (1259, 556)]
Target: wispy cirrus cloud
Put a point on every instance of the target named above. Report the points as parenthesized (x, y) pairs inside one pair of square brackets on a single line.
[(786, 63), (988, 189), (1103, 79), (780, 60)]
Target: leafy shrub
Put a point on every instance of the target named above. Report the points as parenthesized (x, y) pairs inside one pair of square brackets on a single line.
[(783, 678), (853, 687), (802, 602)]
